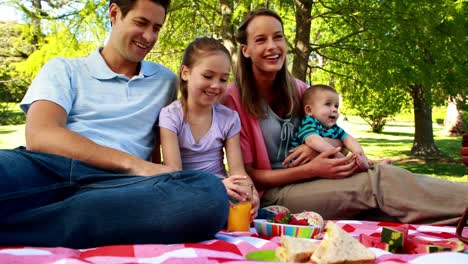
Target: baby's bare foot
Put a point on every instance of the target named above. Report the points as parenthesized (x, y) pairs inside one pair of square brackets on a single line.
[(386, 162)]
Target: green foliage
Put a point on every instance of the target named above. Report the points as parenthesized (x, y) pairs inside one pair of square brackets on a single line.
[(57, 29), (62, 43), (15, 48), (382, 48), (10, 114), (190, 19)]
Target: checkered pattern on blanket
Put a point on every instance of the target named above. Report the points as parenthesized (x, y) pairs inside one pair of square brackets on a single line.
[(225, 248)]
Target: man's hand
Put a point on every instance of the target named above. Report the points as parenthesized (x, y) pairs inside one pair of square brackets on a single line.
[(146, 168)]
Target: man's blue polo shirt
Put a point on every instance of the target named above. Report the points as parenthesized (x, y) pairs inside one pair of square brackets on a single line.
[(108, 108)]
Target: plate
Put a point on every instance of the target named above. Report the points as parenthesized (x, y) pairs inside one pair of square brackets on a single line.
[(237, 233), (262, 255), (265, 228)]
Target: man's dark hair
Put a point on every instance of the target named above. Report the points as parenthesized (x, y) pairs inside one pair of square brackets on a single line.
[(127, 5)]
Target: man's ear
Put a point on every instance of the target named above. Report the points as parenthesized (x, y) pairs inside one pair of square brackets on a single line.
[(114, 11), (184, 72), (244, 50)]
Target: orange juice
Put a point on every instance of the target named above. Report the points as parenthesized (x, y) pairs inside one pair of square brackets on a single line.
[(239, 217)]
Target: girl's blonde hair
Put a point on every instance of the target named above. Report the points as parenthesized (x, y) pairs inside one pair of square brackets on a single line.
[(286, 101), (195, 52)]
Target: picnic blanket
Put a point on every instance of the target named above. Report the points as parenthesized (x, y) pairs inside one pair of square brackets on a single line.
[(225, 248)]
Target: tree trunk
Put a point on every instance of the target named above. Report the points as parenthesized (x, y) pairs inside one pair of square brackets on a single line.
[(423, 144), (302, 48), (227, 32), (453, 122), (36, 21)]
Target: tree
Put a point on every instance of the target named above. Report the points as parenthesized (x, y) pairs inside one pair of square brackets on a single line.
[(67, 25), (190, 19), (408, 46), (85, 19), (302, 48), (13, 49)]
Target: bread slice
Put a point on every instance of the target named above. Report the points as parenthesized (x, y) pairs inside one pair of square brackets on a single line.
[(338, 246), (295, 249)]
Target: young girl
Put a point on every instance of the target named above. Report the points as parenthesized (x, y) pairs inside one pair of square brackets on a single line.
[(195, 129)]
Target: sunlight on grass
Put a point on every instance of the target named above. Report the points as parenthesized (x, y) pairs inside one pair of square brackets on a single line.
[(11, 136)]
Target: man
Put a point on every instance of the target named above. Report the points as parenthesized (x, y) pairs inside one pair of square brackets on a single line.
[(90, 131)]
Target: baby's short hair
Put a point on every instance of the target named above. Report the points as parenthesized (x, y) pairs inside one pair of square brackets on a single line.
[(313, 89)]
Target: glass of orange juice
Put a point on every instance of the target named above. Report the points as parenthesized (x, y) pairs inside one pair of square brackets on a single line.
[(239, 215)]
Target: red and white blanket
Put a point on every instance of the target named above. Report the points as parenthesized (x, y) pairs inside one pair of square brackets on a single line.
[(224, 248)]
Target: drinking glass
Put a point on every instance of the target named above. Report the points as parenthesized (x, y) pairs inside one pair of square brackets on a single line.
[(239, 215)]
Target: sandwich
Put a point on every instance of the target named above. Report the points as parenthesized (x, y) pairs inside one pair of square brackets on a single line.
[(295, 249), (338, 246)]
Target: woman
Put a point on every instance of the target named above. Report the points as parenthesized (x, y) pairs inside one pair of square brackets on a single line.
[(267, 99)]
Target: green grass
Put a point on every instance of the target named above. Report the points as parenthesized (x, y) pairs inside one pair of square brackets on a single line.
[(396, 141), (12, 122)]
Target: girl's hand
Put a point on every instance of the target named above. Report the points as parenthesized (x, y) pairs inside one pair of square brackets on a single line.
[(241, 189), (299, 155), (238, 187)]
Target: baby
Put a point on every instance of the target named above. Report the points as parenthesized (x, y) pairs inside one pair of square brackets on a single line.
[(317, 128)]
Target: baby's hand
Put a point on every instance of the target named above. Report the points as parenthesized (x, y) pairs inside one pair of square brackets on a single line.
[(361, 161)]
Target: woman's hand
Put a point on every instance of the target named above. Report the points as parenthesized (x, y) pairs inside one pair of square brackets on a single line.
[(299, 155), (325, 166), (255, 204)]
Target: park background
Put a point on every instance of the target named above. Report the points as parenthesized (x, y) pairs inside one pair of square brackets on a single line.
[(400, 66)]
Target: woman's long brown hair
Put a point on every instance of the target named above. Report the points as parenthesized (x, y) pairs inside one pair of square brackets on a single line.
[(286, 100)]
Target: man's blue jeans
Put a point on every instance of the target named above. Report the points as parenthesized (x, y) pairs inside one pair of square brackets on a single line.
[(49, 200)]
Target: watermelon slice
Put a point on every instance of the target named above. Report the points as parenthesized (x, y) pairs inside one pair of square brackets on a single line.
[(370, 241), (417, 245), (394, 237)]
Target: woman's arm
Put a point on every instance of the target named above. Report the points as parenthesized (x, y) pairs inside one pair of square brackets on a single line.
[(323, 166), (170, 148), (234, 156)]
